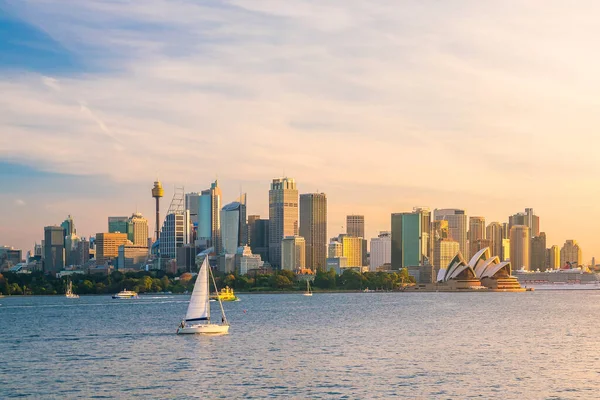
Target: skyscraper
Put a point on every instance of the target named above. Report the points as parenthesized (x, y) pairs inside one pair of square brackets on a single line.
[(519, 247), (283, 216), (570, 253), (293, 253), (457, 225), (107, 246), (476, 232), (352, 248), (250, 224), (192, 204), (139, 225), (538, 252), (494, 232), (231, 228), (408, 246), (120, 225), (443, 252), (554, 257), (54, 249), (259, 229), (381, 250), (243, 220), (355, 225), (175, 231), (209, 218), (313, 228), (529, 219), (69, 226)]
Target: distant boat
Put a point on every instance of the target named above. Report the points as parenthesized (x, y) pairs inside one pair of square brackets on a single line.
[(226, 294), (308, 290), (126, 294), (69, 294), (197, 317)]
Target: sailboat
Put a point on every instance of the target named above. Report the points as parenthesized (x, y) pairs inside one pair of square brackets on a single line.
[(69, 294), (308, 291), (197, 318)]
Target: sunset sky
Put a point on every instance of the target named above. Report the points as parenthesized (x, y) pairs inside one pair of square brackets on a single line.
[(382, 104)]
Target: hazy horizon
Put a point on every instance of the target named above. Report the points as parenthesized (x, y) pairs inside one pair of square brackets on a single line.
[(490, 108)]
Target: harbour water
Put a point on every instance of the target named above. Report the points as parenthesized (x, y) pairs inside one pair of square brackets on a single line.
[(535, 345)]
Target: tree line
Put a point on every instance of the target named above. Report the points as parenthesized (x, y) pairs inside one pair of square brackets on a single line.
[(37, 283)]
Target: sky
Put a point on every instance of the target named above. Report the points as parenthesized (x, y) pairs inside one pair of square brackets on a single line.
[(383, 105)]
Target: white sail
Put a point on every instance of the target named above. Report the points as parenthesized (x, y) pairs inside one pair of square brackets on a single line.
[(199, 307)]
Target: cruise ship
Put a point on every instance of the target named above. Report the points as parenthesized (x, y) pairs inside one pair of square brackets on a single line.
[(560, 279)]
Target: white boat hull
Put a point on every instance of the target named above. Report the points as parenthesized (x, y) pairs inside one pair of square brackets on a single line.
[(72, 296), (206, 329), (308, 294)]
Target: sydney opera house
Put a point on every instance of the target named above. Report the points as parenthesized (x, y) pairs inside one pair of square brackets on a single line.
[(481, 272)]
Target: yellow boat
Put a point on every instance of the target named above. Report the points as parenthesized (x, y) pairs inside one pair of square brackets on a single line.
[(226, 294)]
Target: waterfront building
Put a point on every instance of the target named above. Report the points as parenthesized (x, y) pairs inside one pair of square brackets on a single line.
[(554, 257), (381, 251), (495, 233), (54, 249), (139, 229), (355, 225), (538, 253), (283, 216), (226, 263), (476, 233), (352, 250), (570, 253), (313, 228), (529, 219), (131, 256), (246, 261), (293, 253), (120, 225), (457, 225), (107, 246), (260, 237), (337, 263), (408, 244), (209, 218), (519, 247)]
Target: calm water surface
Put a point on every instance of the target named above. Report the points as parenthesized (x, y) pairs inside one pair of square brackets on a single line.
[(540, 345)]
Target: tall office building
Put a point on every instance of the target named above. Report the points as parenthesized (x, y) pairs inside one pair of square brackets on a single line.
[(250, 225), (313, 228), (209, 218), (538, 252), (120, 225), (54, 249), (231, 227), (519, 247), (570, 253), (259, 233), (352, 250), (494, 232), (425, 233), (139, 228), (293, 253), (243, 220), (174, 233), (408, 246), (528, 218), (192, 204), (355, 225), (554, 257), (381, 250), (335, 249), (457, 225), (107, 246), (505, 255), (69, 226), (283, 216), (444, 251), (476, 233)]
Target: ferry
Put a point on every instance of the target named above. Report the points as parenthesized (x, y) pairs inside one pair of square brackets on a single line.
[(226, 294), (126, 294)]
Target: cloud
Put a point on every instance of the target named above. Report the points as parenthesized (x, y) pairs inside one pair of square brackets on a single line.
[(19, 202)]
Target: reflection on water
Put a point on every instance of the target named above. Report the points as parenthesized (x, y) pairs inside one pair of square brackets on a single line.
[(367, 345)]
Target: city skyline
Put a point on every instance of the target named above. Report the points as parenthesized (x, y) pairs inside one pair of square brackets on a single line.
[(130, 94)]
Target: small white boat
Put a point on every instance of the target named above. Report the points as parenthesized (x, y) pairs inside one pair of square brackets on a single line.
[(126, 294), (197, 317), (69, 294), (308, 290)]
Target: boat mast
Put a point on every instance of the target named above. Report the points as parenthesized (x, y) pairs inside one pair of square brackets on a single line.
[(219, 298)]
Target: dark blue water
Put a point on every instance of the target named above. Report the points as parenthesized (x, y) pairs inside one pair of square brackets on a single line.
[(413, 345)]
